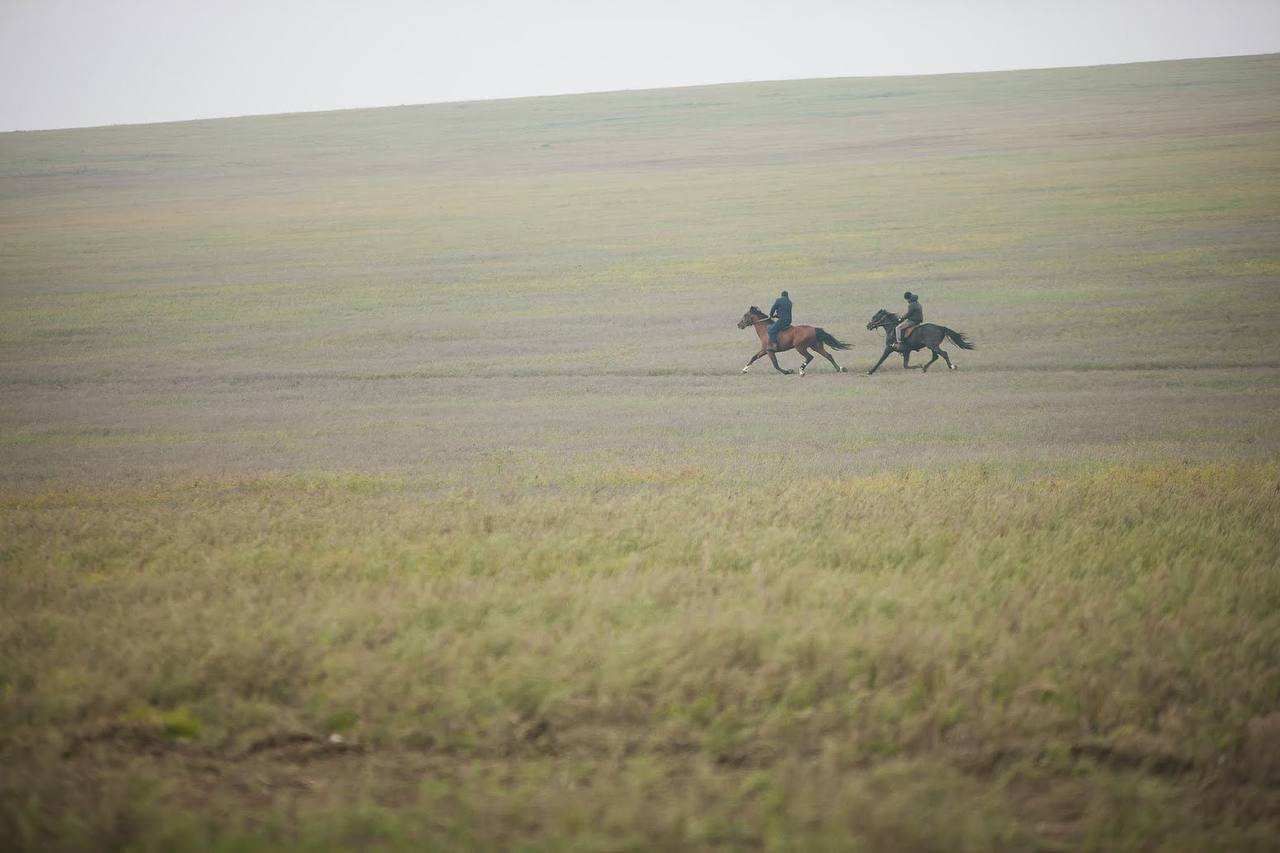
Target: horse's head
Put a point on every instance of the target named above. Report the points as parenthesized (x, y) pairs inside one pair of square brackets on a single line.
[(753, 316), (881, 319)]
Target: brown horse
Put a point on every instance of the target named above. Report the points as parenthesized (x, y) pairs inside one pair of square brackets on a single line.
[(799, 338)]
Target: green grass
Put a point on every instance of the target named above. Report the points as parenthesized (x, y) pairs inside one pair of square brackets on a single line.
[(386, 478), (1088, 648)]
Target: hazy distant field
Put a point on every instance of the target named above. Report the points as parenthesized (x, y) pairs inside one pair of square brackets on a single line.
[(423, 427)]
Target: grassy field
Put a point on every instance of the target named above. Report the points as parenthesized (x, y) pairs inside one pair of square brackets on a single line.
[(386, 478)]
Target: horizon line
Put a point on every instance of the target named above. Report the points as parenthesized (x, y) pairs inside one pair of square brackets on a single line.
[(590, 92)]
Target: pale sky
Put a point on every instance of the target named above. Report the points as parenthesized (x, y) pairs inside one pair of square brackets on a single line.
[(74, 63)]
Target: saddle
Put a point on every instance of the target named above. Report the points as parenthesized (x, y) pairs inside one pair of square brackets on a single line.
[(911, 330)]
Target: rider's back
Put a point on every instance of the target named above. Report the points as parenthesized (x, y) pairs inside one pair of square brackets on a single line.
[(782, 310)]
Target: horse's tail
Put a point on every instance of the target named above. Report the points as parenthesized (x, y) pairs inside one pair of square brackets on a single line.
[(828, 339), (958, 338)]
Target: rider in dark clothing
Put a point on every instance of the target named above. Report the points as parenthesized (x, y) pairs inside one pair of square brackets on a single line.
[(781, 314), (914, 316)]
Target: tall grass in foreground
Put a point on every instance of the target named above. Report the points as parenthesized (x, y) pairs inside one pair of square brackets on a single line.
[(950, 659)]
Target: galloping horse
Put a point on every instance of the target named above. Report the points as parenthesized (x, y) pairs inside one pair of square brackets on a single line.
[(800, 338), (925, 335)]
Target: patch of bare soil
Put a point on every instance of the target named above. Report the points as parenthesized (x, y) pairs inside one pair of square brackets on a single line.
[(287, 774)]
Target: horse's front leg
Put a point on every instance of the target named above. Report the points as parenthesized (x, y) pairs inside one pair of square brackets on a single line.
[(752, 360), (773, 356), (887, 350)]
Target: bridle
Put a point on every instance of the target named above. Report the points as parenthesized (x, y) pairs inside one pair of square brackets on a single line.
[(884, 322)]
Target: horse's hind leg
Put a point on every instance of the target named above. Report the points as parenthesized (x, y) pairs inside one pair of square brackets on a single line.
[(925, 369), (822, 351), (807, 356), (947, 359)]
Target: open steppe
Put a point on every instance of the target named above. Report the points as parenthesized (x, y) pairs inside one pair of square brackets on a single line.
[(387, 478)]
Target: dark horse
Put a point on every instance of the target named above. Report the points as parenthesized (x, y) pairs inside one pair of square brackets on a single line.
[(924, 336), (800, 338)]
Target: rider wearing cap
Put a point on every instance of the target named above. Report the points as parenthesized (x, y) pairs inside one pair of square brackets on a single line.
[(780, 313), (914, 317)]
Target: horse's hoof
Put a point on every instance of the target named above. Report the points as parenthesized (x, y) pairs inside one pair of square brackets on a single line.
[(844, 370), (745, 369)]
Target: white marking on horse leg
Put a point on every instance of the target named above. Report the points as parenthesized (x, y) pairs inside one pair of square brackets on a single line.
[(745, 369)]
